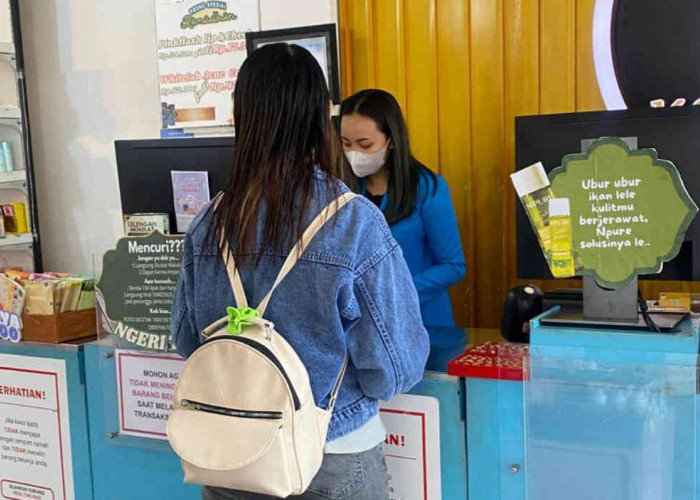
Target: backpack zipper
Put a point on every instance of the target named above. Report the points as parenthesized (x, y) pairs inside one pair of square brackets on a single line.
[(230, 412), (269, 355)]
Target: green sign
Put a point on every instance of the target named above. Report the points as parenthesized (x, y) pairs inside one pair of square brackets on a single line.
[(137, 287), (629, 210)]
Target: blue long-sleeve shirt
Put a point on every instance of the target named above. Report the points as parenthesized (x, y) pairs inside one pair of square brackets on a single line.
[(429, 239)]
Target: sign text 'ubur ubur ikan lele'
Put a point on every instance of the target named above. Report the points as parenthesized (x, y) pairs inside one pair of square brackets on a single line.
[(611, 212), (136, 290)]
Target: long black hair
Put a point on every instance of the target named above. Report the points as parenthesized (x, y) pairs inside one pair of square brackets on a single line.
[(403, 168), (283, 130)]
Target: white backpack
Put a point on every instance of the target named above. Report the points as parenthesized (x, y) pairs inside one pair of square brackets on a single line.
[(243, 414)]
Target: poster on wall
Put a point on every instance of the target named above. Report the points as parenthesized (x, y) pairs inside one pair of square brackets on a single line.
[(412, 447), (146, 383), (35, 446), (201, 46), (135, 292)]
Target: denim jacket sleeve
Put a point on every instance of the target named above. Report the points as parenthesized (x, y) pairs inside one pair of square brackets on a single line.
[(387, 341), (184, 332)]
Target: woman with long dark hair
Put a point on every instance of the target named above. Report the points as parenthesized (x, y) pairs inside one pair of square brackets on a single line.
[(415, 201), (350, 291)]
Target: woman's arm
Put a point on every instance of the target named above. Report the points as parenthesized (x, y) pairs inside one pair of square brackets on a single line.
[(442, 238), (387, 342)]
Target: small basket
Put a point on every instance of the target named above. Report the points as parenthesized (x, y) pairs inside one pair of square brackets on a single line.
[(58, 328)]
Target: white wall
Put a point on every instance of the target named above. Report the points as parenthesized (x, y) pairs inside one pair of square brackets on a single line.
[(92, 77)]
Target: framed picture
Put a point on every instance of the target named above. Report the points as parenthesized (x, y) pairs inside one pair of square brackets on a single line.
[(319, 40)]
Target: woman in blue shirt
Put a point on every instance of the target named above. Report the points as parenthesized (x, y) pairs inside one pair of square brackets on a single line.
[(416, 202)]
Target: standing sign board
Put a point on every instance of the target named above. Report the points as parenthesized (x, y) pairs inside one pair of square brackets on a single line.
[(412, 447), (611, 212), (134, 297), (201, 46), (135, 292), (35, 445)]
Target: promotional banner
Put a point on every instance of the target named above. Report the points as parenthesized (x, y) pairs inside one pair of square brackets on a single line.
[(412, 447), (201, 46), (35, 447), (611, 212), (135, 292), (146, 383)]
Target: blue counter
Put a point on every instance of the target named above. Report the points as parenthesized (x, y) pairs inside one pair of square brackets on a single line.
[(125, 467), (72, 356), (604, 414), (121, 462)]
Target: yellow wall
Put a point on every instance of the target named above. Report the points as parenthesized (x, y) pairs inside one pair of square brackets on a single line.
[(462, 70)]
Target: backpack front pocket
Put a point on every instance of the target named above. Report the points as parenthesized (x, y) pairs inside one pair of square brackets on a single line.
[(221, 439)]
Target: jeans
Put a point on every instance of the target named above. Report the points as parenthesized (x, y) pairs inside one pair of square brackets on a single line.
[(357, 476)]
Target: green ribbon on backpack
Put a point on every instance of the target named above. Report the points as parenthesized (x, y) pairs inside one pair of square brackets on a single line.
[(238, 317)]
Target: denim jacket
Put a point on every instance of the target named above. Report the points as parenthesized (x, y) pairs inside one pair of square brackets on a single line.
[(350, 291)]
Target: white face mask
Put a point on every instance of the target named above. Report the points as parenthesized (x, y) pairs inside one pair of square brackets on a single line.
[(363, 164)]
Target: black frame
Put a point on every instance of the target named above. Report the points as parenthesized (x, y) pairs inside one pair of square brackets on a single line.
[(328, 31)]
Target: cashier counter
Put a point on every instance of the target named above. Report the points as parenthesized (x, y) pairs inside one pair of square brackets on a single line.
[(580, 413)]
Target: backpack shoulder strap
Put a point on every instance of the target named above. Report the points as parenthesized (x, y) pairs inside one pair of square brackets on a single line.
[(303, 242), (233, 276), (231, 269)]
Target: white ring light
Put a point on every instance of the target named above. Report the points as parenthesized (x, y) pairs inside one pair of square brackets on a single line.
[(603, 55)]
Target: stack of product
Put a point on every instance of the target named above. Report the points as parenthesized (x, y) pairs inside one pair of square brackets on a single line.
[(15, 219), (56, 293)]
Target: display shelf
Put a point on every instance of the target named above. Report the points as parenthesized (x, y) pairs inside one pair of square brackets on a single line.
[(11, 131), (18, 184), (21, 144), (7, 49), (16, 180), (9, 96), (17, 257), (12, 240), (10, 58), (13, 192), (10, 112), (12, 177)]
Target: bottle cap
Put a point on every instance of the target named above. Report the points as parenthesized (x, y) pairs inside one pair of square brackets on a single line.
[(530, 179), (559, 207)]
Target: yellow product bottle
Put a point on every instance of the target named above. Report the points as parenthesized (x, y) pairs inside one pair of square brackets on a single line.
[(534, 191), (562, 241)]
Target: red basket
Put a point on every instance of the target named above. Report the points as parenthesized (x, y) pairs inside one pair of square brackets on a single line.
[(491, 360)]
